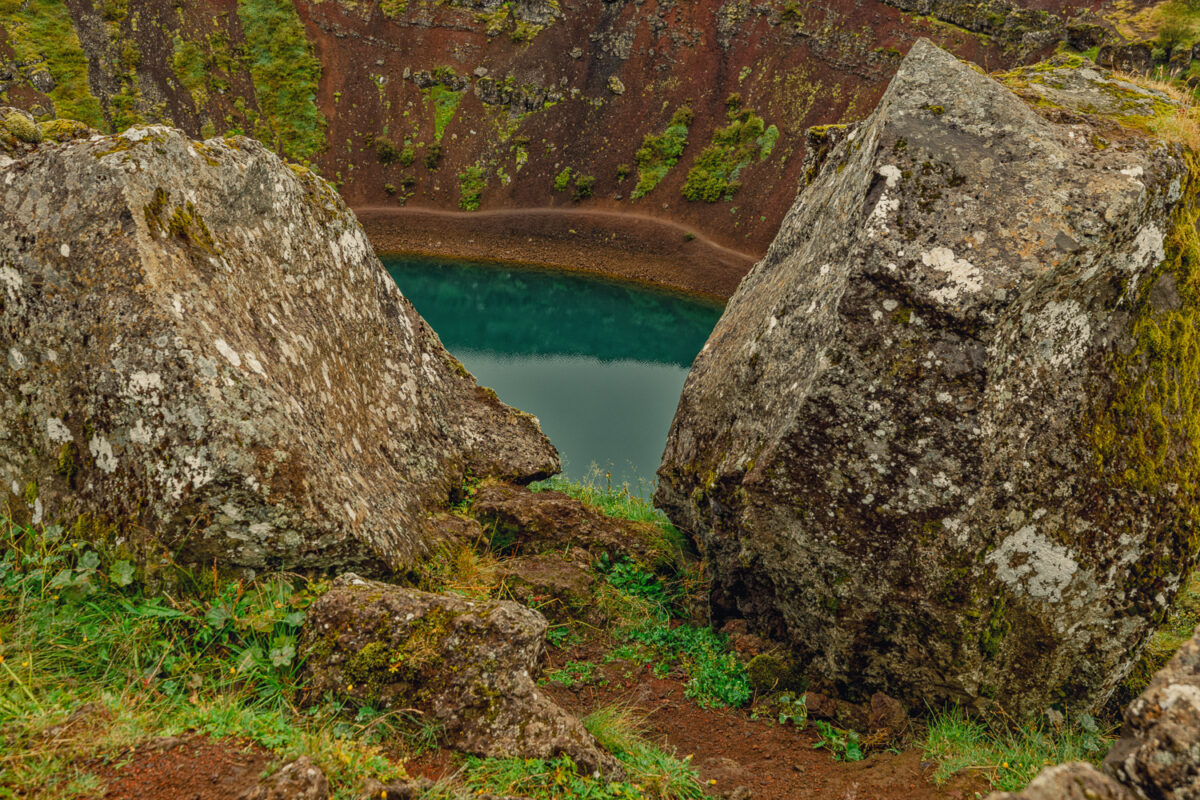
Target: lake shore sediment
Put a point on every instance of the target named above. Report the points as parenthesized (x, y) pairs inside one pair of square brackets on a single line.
[(626, 246)]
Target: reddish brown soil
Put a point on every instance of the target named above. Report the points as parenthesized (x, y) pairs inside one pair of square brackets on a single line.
[(191, 768), (728, 747), (774, 762), (732, 750), (628, 246)]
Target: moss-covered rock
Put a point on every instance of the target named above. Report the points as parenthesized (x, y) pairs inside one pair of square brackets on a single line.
[(944, 440), (471, 666), (204, 351)]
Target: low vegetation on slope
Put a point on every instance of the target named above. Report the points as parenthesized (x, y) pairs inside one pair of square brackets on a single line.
[(41, 31), (97, 655), (286, 74)]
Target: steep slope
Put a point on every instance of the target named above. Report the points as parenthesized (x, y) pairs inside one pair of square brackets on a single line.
[(690, 111)]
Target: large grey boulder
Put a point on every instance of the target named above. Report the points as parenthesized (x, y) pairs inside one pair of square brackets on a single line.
[(942, 441), (202, 355), (467, 665)]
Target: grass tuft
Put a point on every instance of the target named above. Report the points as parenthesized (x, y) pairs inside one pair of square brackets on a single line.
[(1008, 756)]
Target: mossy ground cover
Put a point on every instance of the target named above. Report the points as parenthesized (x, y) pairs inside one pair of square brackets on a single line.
[(660, 152), (734, 147), (42, 29), (286, 74)]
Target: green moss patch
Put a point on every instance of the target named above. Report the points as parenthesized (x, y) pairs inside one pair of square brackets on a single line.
[(445, 103), (43, 30), (1149, 436), (659, 153), (286, 74), (471, 183)]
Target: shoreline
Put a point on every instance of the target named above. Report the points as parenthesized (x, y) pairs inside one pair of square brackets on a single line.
[(612, 244)]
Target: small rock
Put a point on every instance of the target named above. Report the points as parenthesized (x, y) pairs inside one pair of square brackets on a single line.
[(298, 780), (469, 665), (615, 86), (887, 715)]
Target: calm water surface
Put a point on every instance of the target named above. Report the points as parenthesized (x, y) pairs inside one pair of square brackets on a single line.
[(600, 363)]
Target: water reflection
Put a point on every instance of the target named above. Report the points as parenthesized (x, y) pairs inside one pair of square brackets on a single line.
[(600, 363)]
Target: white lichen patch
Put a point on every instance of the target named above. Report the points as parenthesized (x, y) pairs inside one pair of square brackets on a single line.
[(140, 433), (148, 385), (1028, 561), (65, 250), (57, 431), (12, 281), (230, 354), (1147, 249), (102, 452), (891, 173), (1065, 332), (961, 275)]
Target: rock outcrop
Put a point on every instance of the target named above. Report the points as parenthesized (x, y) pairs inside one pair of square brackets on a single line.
[(468, 665), (203, 355), (528, 522), (1157, 754), (942, 442)]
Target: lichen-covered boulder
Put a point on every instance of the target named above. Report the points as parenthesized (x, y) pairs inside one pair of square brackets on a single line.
[(1158, 753), (202, 355), (470, 666), (1074, 781), (943, 440)]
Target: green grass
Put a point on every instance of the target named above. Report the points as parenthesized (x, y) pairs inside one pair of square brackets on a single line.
[(641, 604), (217, 657), (597, 491), (471, 183), (286, 74), (659, 153), (1008, 757), (651, 772), (40, 29), (445, 105)]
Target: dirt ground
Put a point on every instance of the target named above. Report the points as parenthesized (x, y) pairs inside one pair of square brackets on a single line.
[(185, 768), (629, 246), (737, 756)]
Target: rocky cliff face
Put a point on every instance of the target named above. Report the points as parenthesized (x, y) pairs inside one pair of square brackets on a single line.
[(481, 103), (204, 356), (942, 439)]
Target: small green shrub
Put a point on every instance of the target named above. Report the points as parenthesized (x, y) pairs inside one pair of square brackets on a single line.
[(563, 179), (584, 185), (658, 154), (433, 156), (386, 151), (573, 673), (622, 172), (844, 745), (471, 183), (734, 147)]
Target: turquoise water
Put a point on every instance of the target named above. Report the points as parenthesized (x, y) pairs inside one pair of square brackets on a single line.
[(599, 363)]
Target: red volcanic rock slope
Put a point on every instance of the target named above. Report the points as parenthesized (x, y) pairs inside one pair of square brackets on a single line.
[(465, 104)]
